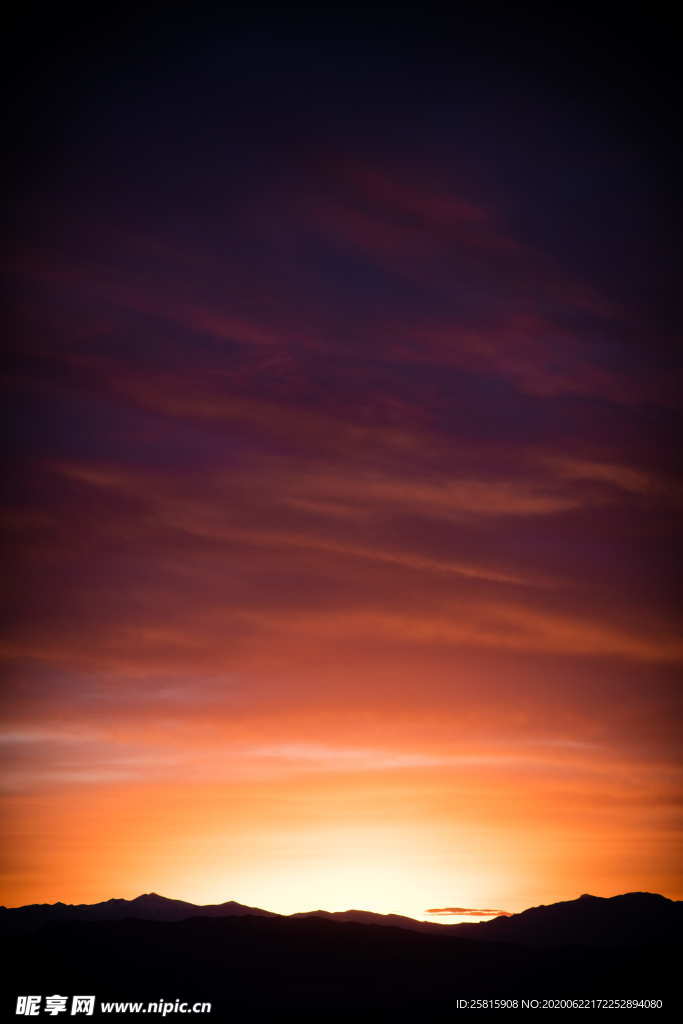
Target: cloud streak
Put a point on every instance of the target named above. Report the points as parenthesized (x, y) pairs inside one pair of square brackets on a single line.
[(468, 912)]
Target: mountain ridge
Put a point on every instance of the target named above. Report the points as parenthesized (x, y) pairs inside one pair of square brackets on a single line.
[(594, 920), (312, 969)]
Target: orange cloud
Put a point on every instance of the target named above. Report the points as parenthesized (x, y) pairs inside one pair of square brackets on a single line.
[(468, 912)]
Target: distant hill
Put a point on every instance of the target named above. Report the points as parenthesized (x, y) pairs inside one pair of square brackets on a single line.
[(382, 920), (315, 969), (630, 919), (635, 917), (148, 907)]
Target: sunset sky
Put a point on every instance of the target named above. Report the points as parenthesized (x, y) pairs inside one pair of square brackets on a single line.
[(343, 490)]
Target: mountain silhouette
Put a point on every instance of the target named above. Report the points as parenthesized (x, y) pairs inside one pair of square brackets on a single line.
[(312, 967), (148, 907), (589, 920), (381, 920), (632, 918)]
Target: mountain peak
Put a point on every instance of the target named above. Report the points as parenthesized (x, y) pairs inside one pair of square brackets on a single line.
[(629, 918)]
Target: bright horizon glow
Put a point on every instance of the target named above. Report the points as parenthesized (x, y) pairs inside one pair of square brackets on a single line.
[(308, 841)]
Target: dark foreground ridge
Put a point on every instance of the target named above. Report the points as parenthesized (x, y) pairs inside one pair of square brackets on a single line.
[(244, 960), (149, 907)]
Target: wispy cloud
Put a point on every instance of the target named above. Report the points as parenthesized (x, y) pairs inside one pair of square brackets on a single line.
[(468, 912)]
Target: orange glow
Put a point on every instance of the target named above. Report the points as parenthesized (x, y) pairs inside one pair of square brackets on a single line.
[(339, 831)]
